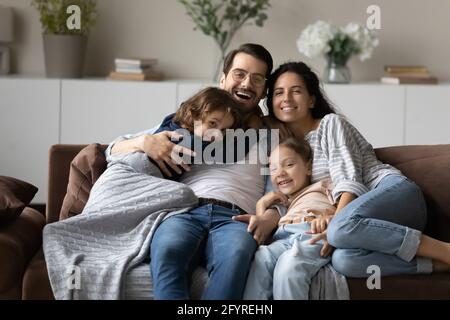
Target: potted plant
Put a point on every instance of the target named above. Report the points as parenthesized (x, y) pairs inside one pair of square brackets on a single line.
[(221, 19), (338, 45), (66, 25)]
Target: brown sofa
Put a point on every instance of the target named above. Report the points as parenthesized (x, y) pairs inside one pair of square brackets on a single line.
[(429, 166), (20, 234)]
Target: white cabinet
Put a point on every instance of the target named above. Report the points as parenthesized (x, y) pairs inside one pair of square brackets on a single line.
[(377, 111), (428, 115), (29, 125), (37, 113), (188, 89), (99, 110)]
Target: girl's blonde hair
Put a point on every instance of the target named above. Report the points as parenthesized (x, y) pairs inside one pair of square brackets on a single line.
[(206, 101)]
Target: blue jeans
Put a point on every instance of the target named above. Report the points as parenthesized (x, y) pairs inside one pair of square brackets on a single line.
[(205, 233), (382, 227), (283, 269)]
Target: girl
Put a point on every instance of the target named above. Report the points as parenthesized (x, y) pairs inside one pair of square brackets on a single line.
[(284, 269)]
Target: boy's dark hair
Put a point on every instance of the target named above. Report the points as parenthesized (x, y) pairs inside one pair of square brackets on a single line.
[(255, 50), (322, 106), (299, 146), (205, 101)]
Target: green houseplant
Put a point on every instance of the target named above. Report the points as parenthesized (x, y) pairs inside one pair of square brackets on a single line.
[(66, 25), (221, 19)]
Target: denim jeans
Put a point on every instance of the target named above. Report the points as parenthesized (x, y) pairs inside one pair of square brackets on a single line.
[(205, 233), (283, 269), (383, 228)]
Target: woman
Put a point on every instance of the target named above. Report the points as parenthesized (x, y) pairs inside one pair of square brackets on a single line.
[(380, 214)]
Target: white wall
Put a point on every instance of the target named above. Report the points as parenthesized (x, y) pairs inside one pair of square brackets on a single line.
[(413, 32)]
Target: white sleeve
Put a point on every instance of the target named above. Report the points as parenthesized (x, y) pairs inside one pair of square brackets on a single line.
[(345, 157), (110, 157)]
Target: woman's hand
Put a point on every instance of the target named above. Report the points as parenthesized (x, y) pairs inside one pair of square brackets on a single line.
[(260, 226)]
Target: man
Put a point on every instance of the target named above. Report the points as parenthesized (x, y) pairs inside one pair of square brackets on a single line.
[(208, 233)]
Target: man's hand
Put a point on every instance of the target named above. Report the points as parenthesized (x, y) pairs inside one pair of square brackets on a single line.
[(159, 147), (260, 226), (270, 199), (327, 249)]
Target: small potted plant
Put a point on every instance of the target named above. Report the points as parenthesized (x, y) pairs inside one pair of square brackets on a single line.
[(66, 25), (337, 45)]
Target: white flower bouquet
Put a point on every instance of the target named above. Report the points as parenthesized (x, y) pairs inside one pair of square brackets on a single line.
[(337, 44)]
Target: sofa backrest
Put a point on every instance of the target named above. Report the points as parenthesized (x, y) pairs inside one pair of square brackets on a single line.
[(428, 166)]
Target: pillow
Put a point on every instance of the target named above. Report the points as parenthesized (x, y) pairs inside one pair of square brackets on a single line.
[(15, 195), (85, 169)]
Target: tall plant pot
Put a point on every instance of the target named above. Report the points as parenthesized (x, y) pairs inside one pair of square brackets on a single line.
[(64, 55)]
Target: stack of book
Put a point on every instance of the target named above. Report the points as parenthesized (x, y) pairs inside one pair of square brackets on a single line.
[(135, 69), (407, 75)]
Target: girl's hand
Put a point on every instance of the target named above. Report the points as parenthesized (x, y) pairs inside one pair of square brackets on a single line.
[(319, 225), (270, 199)]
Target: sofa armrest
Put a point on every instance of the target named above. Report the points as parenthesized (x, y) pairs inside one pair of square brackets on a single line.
[(19, 241)]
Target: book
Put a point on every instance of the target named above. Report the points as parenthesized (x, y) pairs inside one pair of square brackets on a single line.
[(135, 62), (409, 80), (408, 74), (145, 76), (405, 69), (133, 69)]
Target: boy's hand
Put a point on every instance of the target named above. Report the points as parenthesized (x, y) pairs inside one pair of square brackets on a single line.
[(327, 249)]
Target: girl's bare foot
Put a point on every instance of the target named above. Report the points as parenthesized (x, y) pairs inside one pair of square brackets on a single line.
[(434, 249), (439, 266)]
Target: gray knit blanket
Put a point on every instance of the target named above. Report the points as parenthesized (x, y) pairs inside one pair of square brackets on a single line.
[(88, 256)]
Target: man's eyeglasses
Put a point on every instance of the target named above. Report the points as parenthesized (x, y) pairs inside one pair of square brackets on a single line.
[(240, 75)]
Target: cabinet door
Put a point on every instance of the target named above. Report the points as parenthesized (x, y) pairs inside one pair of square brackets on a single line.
[(188, 89), (375, 110), (29, 126), (99, 111), (428, 114)]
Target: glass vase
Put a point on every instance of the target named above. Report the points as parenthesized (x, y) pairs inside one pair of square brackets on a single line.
[(337, 71)]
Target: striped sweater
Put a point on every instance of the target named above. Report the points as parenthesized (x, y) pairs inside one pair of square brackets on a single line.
[(341, 153)]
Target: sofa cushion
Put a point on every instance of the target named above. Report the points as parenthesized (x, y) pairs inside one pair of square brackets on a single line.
[(429, 167), (85, 169), (15, 195), (19, 241)]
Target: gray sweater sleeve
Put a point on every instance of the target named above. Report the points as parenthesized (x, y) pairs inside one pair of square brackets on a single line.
[(110, 157)]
